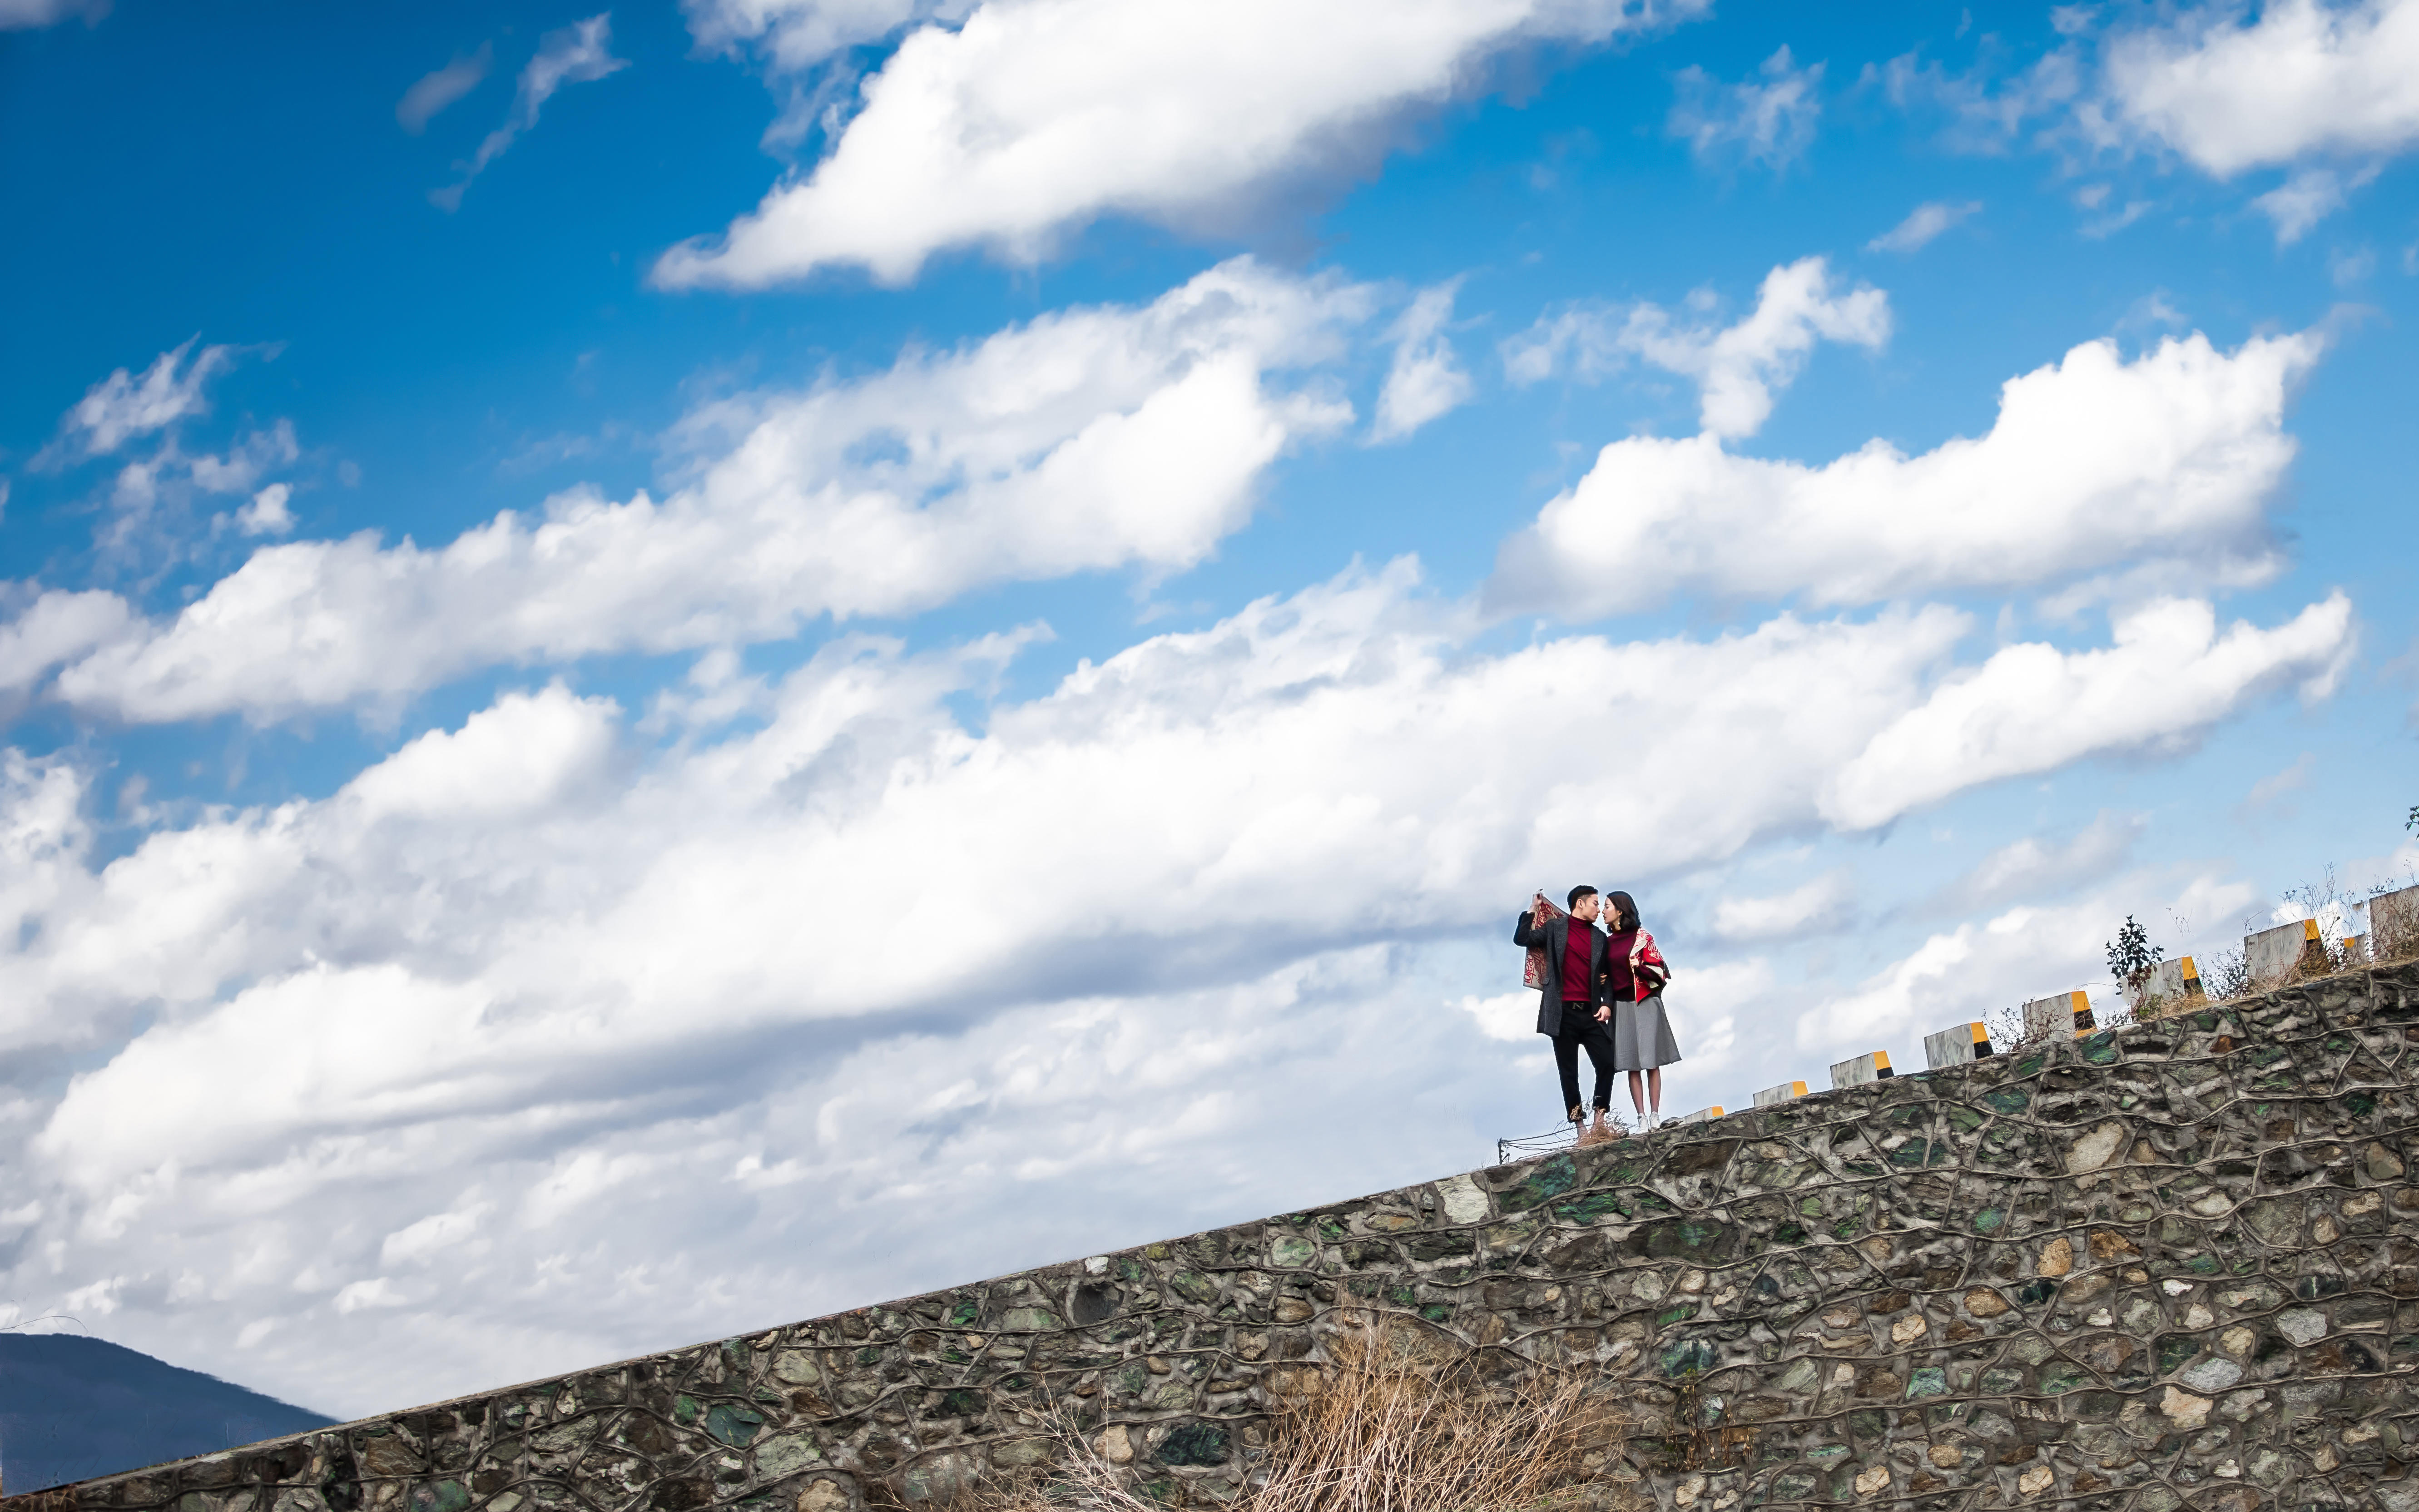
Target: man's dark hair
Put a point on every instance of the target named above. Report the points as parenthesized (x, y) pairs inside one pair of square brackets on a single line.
[(1578, 893)]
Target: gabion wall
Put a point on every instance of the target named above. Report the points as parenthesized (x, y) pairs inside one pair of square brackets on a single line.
[(2167, 1267)]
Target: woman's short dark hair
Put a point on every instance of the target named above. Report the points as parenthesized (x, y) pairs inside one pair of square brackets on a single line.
[(1624, 910), (1580, 892)]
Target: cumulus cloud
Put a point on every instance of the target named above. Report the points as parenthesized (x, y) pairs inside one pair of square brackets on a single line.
[(57, 626), (1736, 367), (2028, 951), (1923, 224), (1824, 903), (440, 87), (1771, 122), (2092, 464), (2231, 93), (579, 54), (267, 514), (1087, 440), (1036, 117), (2033, 709), (2034, 867), (1425, 381), (627, 999)]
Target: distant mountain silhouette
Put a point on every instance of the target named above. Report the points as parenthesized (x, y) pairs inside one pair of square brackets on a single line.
[(72, 1407)]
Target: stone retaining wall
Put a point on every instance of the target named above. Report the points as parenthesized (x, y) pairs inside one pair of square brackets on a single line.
[(2167, 1266)]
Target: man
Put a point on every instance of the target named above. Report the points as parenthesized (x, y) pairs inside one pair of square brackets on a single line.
[(1571, 1010)]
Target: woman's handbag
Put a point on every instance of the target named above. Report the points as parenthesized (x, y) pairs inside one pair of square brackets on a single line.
[(1532, 970)]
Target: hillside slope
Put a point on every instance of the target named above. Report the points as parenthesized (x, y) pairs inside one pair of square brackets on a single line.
[(72, 1407)]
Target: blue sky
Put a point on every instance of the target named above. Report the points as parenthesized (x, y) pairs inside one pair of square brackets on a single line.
[(673, 667)]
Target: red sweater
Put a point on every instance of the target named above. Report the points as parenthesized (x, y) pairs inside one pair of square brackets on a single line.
[(1577, 988)]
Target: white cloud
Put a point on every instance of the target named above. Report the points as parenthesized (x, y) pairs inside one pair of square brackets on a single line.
[(1770, 123), (122, 407), (2302, 79), (267, 514), (632, 999), (1036, 117), (2309, 196), (1922, 225), (418, 1243), (2028, 868), (27, 15), (1736, 367), (1985, 113), (433, 91), (579, 54), (1425, 381), (57, 627), (1088, 440), (1822, 904), (794, 35), (376, 1292), (1508, 1016), (2094, 464), (2026, 952), (2033, 709)]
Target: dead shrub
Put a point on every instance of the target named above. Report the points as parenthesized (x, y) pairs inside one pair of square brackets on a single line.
[(1395, 1421)]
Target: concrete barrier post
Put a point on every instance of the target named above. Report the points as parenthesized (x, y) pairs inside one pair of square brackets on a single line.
[(1785, 1092), (1863, 1069), (1957, 1046), (2274, 956), (1701, 1115), (2394, 924), (2059, 1014)]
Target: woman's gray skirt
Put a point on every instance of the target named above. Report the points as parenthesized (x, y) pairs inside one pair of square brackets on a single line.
[(1641, 1035)]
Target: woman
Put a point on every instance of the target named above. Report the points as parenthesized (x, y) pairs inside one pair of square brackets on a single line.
[(1634, 977)]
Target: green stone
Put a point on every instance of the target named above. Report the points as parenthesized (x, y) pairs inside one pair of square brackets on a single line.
[(683, 1409), (1828, 1455), (1927, 1381), (1675, 1314), (1989, 1220), (2057, 1380), (1687, 1357), (1195, 1444), (1589, 1209), (1551, 1179), (444, 1496), (1794, 1484), (1292, 1253), (2001, 1381), (1042, 1320), (732, 1425)]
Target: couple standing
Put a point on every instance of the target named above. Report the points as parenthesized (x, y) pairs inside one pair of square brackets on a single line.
[(1601, 990)]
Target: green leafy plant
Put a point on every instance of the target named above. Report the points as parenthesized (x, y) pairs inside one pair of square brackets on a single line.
[(2133, 960)]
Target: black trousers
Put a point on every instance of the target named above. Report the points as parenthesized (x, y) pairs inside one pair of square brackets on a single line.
[(1581, 1029)]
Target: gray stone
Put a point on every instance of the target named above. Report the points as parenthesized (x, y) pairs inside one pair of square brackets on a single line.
[(2212, 1375)]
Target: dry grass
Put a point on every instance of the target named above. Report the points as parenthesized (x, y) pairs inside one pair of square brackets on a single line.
[(1392, 1422)]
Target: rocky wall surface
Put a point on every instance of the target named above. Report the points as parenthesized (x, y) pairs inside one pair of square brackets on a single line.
[(2172, 1266)]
